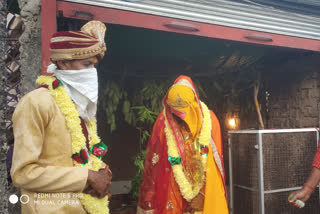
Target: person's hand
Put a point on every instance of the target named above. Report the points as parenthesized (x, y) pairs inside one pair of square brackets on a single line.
[(109, 172), (89, 190), (188, 209), (197, 203), (98, 183), (302, 195)]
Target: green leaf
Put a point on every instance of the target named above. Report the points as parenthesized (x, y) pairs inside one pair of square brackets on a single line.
[(145, 136), (126, 106)]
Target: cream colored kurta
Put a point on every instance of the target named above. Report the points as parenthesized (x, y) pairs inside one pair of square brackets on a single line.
[(42, 165)]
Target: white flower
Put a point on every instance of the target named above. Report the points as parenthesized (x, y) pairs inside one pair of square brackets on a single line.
[(155, 159)]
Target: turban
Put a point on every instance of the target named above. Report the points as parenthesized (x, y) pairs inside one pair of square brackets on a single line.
[(89, 42)]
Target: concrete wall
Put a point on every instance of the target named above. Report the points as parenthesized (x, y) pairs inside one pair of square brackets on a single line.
[(30, 44), (30, 53), (3, 149)]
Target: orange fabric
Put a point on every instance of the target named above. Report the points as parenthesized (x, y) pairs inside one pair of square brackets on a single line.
[(215, 196), (216, 132), (215, 200)]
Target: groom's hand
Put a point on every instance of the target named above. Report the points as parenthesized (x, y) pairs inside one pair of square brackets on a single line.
[(98, 183)]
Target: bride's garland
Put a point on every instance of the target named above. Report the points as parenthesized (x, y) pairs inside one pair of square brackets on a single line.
[(81, 156), (188, 190)]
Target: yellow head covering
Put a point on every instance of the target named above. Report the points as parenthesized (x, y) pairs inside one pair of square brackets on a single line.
[(182, 99)]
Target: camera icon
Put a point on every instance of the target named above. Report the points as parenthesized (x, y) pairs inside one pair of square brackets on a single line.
[(24, 199)]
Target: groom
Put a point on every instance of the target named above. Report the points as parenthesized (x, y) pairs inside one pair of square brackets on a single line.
[(57, 159)]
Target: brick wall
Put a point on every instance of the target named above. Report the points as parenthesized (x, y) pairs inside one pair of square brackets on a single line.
[(295, 94), (295, 102)]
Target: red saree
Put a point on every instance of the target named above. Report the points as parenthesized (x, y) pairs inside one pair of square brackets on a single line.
[(159, 191)]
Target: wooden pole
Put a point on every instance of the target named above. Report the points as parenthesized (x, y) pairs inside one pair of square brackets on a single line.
[(256, 102)]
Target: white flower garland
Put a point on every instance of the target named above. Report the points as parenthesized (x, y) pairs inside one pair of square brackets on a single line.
[(187, 190), (92, 205)]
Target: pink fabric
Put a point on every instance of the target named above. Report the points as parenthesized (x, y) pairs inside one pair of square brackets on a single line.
[(316, 161), (180, 114)]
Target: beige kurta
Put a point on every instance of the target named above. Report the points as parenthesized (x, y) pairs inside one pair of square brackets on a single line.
[(42, 166)]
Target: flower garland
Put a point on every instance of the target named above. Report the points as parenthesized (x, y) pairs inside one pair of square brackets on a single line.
[(92, 205), (188, 190)]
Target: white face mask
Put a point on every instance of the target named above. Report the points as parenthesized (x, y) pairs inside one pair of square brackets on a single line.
[(85, 81), (82, 87)]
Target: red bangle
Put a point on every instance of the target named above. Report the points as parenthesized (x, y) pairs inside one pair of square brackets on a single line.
[(309, 186)]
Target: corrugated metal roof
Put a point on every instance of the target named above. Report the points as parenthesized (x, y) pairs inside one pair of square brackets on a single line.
[(223, 12), (306, 7)]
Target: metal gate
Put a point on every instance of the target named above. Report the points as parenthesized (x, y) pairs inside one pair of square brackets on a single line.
[(266, 165)]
